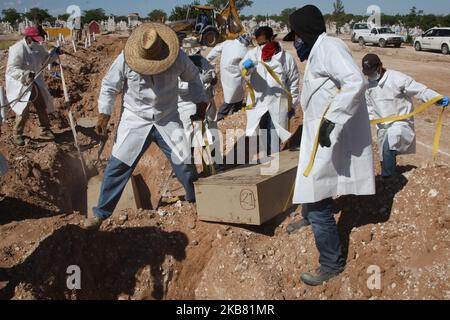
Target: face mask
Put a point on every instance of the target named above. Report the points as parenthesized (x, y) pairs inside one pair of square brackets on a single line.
[(32, 45), (303, 49), (374, 77)]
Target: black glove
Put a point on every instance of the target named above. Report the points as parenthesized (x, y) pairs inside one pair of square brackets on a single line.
[(57, 51), (200, 115), (325, 131), (28, 77)]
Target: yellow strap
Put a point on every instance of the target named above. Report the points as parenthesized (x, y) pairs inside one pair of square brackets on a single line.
[(282, 85), (316, 144), (409, 115), (423, 107), (251, 91), (437, 136), (275, 77)]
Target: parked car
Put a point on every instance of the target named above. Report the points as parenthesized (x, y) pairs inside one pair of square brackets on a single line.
[(382, 37), (434, 39), (360, 29)]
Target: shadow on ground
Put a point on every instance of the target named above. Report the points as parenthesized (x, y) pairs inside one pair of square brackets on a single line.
[(109, 262), (359, 211)]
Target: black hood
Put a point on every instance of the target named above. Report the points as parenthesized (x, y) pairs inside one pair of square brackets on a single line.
[(308, 23)]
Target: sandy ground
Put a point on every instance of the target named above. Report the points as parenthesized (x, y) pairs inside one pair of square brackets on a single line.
[(168, 254)]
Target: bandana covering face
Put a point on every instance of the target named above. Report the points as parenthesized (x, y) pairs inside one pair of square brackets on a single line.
[(303, 50), (269, 50)]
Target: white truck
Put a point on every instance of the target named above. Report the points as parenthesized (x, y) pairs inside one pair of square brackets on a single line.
[(381, 36), (360, 29), (434, 39)]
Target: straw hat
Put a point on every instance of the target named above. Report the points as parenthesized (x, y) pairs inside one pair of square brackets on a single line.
[(151, 49)]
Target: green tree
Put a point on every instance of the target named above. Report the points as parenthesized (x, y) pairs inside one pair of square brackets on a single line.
[(284, 15), (260, 18), (338, 13), (157, 15), (10, 15), (240, 4), (94, 14), (36, 14), (180, 12), (64, 17)]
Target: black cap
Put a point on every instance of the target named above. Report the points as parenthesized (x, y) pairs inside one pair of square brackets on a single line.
[(308, 23), (370, 62)]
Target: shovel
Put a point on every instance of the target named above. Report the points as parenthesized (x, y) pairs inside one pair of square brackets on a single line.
[(71, 120)]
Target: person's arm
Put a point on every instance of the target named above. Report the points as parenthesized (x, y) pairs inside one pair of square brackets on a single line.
[(217, 51), (370, 107), (293, 81), (343, 71), (412, 88), (112, 85), (14, 67), (190, 74)]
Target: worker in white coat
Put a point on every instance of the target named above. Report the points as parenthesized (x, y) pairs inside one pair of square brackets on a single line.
[(232, 52), (389, 94), (147, 72), (270, 110), (25, 59), (335, 111), (187, 108)]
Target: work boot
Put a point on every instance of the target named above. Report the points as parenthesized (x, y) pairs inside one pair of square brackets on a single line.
[(319, 277), (18, 140), (93, 223), (47, 134), (292, 227)]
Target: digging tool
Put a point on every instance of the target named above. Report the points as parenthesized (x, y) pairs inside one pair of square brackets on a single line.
[(164, 189), (71, 120), (100, 151), (210, 169)]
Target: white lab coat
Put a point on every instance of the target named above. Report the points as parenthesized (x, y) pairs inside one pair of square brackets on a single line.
[(232, 52), (149, 101), (392, 96), (346, 167), (20, 59), (269, 95), (187, 108)]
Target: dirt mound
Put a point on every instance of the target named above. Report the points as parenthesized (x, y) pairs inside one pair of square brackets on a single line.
[(404, 231)]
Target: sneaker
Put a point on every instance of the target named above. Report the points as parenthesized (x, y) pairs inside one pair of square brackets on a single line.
[(291, 228), (47, 134), (18, 140), (93, 223), (319, 277)]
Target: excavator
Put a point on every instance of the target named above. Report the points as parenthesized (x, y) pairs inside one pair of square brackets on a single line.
[(209, 25)]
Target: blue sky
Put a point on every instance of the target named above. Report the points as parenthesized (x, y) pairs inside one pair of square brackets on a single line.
[(122, 7)]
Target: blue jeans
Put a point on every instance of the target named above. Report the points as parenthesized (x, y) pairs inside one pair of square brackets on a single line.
[(118, 173), (267, 124), (320, 215), (389, 163)]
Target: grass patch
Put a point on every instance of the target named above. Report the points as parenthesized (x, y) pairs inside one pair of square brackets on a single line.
[(5, 44)]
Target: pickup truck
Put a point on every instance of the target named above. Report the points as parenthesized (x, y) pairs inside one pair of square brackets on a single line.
[(360, 29), (382, 37)]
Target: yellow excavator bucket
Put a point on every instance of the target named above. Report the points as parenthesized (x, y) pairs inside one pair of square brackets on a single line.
[(230, 14)]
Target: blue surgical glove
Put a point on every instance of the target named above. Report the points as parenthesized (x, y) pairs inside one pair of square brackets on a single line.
[(248, 64), (444, 102)]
